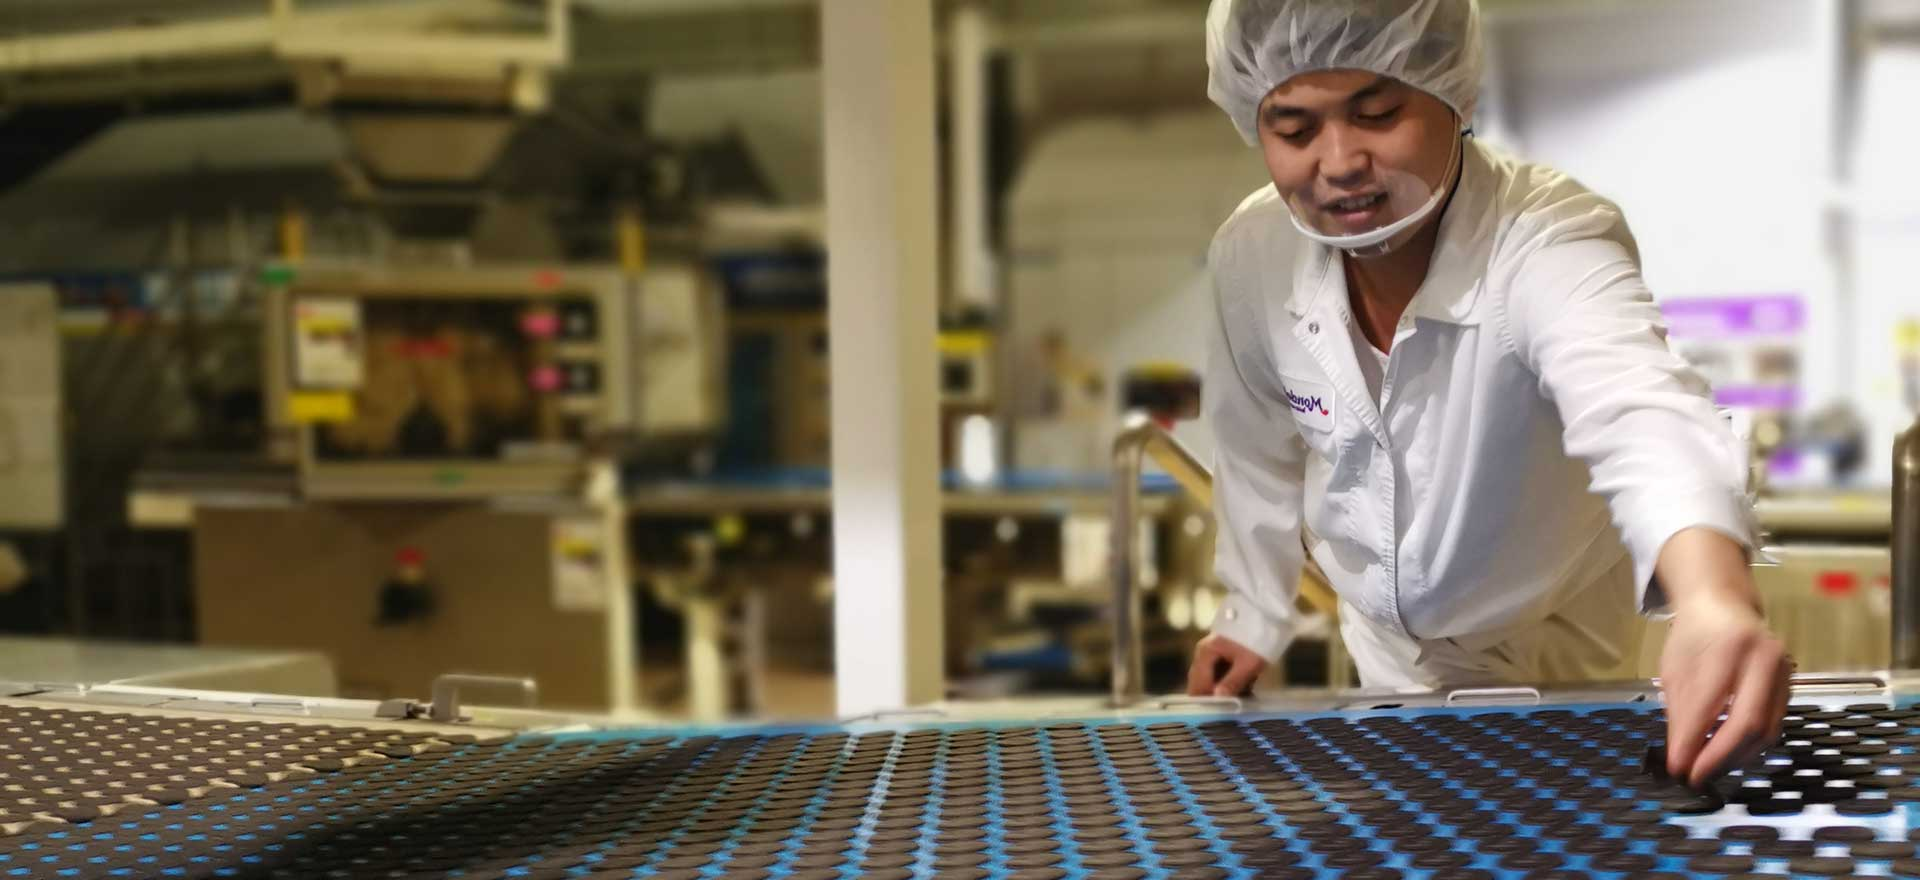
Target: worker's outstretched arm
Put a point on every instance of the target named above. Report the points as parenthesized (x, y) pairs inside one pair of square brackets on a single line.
[(1718, 650), (1670, 468)]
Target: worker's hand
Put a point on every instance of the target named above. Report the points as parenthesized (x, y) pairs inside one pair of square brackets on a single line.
[(1222, 667), (1719, 650)]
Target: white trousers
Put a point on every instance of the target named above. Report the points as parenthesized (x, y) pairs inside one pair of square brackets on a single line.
[(1595, 636)]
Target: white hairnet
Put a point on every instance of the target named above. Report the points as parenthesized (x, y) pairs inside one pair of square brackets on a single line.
[(1253, 46)]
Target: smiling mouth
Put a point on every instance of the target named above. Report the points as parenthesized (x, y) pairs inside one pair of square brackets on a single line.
[(1356, 214), (1355, 204)]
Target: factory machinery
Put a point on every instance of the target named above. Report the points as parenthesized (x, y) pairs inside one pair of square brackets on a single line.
[(1501, 783)]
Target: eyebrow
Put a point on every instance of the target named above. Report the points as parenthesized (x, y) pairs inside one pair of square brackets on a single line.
[(1372, 89), (1277, 112)]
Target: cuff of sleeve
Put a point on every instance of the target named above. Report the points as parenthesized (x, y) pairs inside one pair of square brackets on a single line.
[(1725, 512), (1252, 628)]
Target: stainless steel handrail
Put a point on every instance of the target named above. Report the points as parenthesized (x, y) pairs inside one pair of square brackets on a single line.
[(1906, 549), (1139, 439)]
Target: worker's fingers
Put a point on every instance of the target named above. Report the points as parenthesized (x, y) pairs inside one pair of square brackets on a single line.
[(1694, 701), (1239, 679), (1775, 688), (1726, 747), (1200, 676), (1776, 711), (1748, 723), (1782, 695)]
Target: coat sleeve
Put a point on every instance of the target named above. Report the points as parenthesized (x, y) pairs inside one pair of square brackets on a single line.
[(1581, 318), (1258, 470)]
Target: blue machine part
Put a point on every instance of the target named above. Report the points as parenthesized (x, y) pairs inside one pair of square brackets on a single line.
[(1045, 658), (1429, 794)]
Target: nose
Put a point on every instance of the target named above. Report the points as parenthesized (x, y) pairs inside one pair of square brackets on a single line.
[(1345, 160)]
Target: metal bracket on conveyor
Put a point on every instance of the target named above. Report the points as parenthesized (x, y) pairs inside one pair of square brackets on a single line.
[(1494, 696), (445, 707), (1814, 684), (1215, 704), (38, 688), (895, 716), (122, 695)]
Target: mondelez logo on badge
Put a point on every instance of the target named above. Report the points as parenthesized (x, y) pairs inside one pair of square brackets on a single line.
[(1306, 404)]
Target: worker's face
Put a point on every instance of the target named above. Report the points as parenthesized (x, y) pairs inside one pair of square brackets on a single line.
[(1352, 151)]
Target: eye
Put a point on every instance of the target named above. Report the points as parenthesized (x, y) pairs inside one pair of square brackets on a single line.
[(1292, 131), (1288, 124), (1378, 116)]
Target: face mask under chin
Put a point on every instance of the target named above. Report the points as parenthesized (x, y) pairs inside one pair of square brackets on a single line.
[(1408, 204), (1387, 247)]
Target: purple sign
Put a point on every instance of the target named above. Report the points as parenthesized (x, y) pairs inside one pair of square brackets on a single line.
[(1758, 396), (1734, 316)]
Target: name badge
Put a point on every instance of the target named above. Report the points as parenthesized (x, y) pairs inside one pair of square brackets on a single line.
[(1311, 402)]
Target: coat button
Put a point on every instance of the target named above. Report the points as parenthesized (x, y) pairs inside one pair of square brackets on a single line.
[(1232, 614), (1313, 327)]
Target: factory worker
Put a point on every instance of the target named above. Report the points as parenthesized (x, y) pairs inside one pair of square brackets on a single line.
[(1437, 370)]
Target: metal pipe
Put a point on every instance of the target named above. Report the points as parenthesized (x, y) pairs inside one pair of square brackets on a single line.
[(1906, 549), (1129, 667), (1171, 454), (1140, 439), (970, 257)]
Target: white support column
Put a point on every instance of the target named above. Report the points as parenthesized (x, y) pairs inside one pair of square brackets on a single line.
[(1833, 307), (603, 496), (708, 688), (881, 289), (972, 257)]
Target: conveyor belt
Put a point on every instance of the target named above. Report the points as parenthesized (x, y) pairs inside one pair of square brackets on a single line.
[(1442, 794)]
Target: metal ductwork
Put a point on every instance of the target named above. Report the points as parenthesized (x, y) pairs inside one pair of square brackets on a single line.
[(428, 148), (426, 93)]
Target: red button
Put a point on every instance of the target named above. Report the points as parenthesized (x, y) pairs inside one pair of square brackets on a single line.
[(546, 378), (540, 324), (1837, 583)]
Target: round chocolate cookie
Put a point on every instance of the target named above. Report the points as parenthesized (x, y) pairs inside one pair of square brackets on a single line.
[(1820, 866), (1721, 864), (1749, 833), (1880, 849)]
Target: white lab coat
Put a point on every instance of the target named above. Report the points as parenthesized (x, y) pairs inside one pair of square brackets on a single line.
[(1497, 515)]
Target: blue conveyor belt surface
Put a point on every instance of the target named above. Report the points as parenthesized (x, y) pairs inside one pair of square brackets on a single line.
[(1448, 794)]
